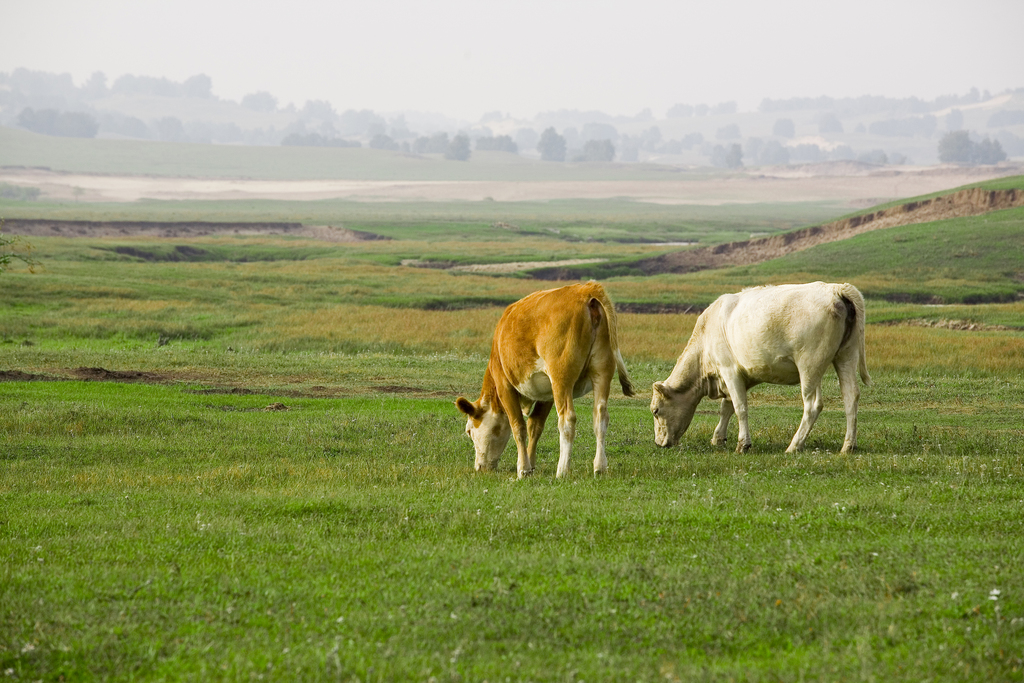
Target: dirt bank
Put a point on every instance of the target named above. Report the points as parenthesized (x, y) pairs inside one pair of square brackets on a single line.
[(56, 228), (971, 202)]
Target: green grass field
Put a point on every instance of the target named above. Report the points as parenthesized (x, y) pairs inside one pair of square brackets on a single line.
[(272, 482)]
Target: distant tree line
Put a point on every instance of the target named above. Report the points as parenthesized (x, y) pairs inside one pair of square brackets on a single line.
[(846, 107), (684, 111), (906, 128), (957, 147), (68, 124), (317, 140), (198, 86), (499, 143), (1006, 117)]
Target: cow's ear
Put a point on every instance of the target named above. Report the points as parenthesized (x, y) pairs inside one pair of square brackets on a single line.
[(661, 389), (466, 406)]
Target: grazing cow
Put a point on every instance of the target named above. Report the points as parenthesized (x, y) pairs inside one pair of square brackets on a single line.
[(548, 348), (787, 334)]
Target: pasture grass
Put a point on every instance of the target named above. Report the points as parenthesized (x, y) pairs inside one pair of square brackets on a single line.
[(166, 533), (276, 484)]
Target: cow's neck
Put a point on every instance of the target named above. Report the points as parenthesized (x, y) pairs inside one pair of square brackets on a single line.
[(688, 371), (489, 392)]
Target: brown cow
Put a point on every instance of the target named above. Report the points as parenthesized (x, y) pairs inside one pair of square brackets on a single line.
[(548, 348)]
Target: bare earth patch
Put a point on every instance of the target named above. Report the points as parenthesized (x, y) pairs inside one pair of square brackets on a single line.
[(41, 227), (499, 268), (957, 325)]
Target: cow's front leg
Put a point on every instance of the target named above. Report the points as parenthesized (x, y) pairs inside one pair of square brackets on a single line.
[(511, 399), (534, 427), (738, 393), (725, 413)]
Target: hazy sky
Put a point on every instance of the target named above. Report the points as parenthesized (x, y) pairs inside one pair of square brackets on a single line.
[(465, 58)]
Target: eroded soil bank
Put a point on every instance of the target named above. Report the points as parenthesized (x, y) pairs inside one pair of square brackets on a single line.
[(971, 202)]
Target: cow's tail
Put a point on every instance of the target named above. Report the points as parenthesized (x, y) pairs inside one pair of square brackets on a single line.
[(855, 332), (613, 338)]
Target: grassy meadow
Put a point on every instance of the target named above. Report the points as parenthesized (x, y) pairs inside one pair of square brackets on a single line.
[(246, 465)]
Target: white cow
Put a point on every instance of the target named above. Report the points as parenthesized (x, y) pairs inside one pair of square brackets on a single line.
[(787, 334)]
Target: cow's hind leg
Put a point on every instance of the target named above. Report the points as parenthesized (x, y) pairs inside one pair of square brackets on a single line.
[(602, 387), (534, 427), (846, 369), (566, 428), (810, 391)]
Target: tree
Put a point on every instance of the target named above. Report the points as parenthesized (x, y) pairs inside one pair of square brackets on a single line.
[(680, 111), (96, 86), (199, 85), (829, 123), (435, 144), (382, 141), (728, 132), (260, 101), (773, 154), (501, 143), (68, 124), (784, 128), (988, 152), (458, 148), (598, 150), (956, 147), (170, 129), (551, 146), (731, 157), (734, 156)]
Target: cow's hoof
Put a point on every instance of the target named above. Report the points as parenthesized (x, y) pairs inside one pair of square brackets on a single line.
[(742, 448), (718, 442), (525, 473)]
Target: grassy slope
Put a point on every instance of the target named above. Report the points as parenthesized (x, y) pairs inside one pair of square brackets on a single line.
[(961, 260)]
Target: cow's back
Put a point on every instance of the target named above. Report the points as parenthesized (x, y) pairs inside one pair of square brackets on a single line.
[(553, 322), (765, 326)]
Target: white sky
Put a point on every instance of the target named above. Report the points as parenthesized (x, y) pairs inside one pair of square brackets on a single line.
[(464, 58)]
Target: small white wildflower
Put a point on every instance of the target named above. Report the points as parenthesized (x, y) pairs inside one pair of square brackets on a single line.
[(339, 620), (29, 647), (954, 596), (994, 594)]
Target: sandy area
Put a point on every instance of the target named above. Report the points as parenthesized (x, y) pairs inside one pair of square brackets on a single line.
[(850, 183)]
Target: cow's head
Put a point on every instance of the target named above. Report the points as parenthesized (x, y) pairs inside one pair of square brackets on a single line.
[(488, 428), (673, 411)]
